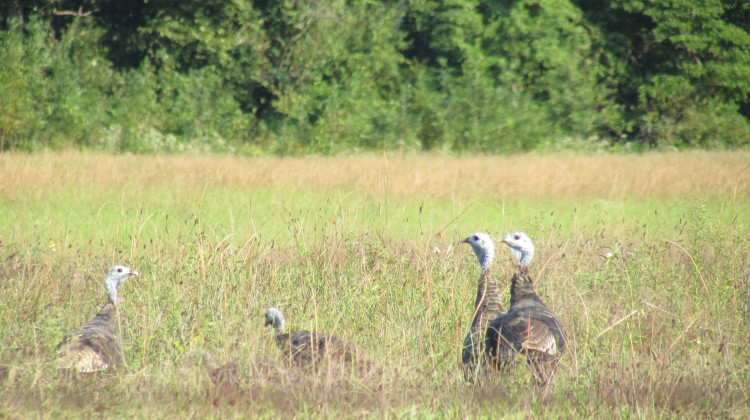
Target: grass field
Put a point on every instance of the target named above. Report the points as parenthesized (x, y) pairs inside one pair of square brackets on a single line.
[(366, 248)]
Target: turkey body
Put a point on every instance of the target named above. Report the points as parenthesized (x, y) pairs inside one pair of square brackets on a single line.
[(487, 305), (315, 349), (529, 327), (307, 348), (96, 344)]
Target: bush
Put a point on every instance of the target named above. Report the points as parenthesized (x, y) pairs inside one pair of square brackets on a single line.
[(24, 59), (333, 77)]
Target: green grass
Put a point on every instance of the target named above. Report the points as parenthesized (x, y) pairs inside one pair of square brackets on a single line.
[(660, 329)]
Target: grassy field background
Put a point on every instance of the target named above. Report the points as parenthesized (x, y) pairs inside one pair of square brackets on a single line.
[(366, 248)]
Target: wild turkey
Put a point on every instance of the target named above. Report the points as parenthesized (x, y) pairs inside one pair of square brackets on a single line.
[(96, 344), (487, 306), (306, 349), (529, 327)]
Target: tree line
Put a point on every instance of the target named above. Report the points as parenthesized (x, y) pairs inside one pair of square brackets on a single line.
[(295, 77)]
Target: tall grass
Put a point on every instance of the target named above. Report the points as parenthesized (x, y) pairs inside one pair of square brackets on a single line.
[(406, 176), (646, 263)]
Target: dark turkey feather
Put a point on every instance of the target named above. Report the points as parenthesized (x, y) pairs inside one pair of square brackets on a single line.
[(486, 308), (306, 348), (96, 344), (529, 327), (93, 346), (487, 305)]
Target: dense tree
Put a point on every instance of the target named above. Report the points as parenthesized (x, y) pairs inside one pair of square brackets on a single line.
[(681, 68), (298, 77)]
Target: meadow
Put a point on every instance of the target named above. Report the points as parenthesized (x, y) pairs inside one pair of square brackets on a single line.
[(645, 259)]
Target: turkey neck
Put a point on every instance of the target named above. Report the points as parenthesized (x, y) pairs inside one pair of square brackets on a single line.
[(282, 340), (105, 320), (108, 314), (522, 287), (488, 303)]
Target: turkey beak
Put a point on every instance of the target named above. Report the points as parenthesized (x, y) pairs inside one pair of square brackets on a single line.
[(465, 241), (135, 273)]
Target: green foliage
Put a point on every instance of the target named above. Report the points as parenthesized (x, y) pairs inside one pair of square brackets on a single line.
[(225, 40), (346, 86), (23, 96), (680, 69), (54, 90), (549, 55), (79, 81), (331, 77), (67, 93)]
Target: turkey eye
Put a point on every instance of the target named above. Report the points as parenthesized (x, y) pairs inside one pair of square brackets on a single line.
[(119, 270), (517, 237), (475, 237)]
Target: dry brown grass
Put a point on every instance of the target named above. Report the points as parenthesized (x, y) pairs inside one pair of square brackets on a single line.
[(659, 329), (547, 177)]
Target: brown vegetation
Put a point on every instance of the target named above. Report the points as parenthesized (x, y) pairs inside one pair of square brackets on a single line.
[(656, 317), (543, 177)]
